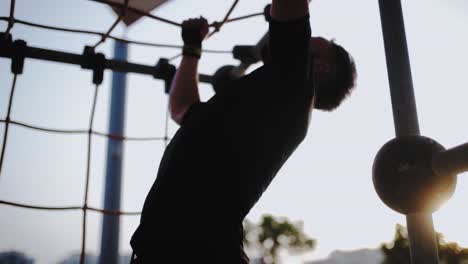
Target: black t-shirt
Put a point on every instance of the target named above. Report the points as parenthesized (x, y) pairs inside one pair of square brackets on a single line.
[(229, 149)]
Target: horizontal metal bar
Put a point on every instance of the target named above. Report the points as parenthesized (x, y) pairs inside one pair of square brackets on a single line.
[(52, 55), (78, 59)]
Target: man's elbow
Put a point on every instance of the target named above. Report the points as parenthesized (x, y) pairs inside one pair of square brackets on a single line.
[(177, 118), (178, 107), (177, 112)]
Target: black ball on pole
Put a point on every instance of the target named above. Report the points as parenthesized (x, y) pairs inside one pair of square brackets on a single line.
[(404, 179), (223, 76)]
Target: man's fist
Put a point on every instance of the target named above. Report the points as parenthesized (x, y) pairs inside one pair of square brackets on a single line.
[(194, 31)]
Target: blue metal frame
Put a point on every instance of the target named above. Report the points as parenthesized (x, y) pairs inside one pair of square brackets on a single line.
[(111, 223)]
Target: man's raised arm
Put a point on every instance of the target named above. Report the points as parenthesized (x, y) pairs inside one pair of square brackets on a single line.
[(184, 88)]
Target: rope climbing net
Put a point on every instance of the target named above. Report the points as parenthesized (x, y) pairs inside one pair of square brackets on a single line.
[(18, 51)]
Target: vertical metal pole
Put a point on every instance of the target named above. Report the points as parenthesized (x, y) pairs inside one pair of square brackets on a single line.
[(421, 233), (111, 223)]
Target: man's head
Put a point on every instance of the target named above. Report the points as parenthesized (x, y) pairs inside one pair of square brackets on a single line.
[(333, 73)]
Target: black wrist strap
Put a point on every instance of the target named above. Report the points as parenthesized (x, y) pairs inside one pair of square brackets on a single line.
[(192, 51)]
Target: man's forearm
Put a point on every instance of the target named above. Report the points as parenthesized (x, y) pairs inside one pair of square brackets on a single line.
[(285, 10), (184, 88)]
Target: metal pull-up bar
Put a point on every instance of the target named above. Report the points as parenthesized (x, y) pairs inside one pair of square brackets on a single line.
[(7, 50)]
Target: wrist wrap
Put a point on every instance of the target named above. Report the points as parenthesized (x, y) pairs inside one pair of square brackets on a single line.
[(193, 51)]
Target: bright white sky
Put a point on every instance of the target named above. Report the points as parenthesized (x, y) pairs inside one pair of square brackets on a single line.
[(326, 183)]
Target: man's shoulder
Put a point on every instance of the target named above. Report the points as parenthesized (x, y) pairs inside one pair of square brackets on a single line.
[(260, 71)]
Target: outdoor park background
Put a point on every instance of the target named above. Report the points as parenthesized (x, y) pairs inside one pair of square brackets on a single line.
[(326, 183)]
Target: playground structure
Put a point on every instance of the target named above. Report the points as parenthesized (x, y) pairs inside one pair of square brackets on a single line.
[(426, 167), (402, 181)]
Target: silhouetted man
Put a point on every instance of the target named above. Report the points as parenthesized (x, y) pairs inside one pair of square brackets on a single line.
[(228, 149)]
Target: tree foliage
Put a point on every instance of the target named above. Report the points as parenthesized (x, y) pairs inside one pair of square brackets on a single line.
[(273, 234), (397, 251)]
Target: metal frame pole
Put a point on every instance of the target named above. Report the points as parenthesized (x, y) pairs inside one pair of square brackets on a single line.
[(111, 223), (423, 246)]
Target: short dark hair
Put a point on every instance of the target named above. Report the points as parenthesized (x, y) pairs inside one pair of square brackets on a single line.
[(333, 89)]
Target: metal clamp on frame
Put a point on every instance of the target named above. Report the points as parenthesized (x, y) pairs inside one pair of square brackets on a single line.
[(6, 44), (165, 71), (18, 55), (246, 54), (15, 50), (94, 61)]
